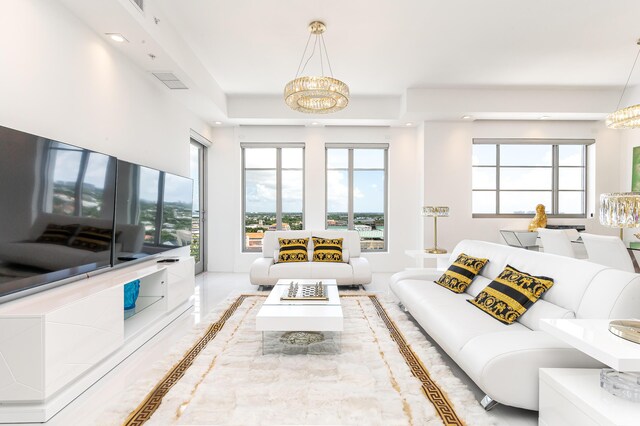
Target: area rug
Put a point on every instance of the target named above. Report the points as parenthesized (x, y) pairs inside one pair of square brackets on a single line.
[(386, 374)]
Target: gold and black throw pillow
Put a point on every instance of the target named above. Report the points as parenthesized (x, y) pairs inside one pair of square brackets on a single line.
[(327, 249), (461, 272), (511, 294), (92, 238), (58, 234), (293, 249)]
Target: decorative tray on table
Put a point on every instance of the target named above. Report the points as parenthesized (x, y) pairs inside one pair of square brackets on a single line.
[(296, 291)]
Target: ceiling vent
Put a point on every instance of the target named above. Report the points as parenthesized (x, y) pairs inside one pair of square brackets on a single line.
[(139, 4), (170, 80)]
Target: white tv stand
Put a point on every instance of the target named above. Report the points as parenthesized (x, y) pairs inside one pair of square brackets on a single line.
[(55, 344)]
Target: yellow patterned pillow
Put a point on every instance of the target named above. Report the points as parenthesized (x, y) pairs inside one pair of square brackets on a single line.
[(511, 294), (293, 249), (461, 272), (327, 249)]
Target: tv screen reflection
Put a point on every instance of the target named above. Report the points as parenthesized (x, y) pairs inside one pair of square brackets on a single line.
[(154, 206)]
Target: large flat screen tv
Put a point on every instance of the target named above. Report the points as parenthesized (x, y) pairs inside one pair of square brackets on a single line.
[(153, 212), (56, 213)]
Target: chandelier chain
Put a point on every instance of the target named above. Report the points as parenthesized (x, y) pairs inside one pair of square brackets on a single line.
[(327, 54), (628, 78), (298, 72)]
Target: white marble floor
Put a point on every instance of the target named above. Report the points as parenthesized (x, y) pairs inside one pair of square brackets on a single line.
[(211, 289)]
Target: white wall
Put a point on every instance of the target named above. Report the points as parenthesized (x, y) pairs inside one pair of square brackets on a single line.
[(60, 80), (447, 165), (225, 188)]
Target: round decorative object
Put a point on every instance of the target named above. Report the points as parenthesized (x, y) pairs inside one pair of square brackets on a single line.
[(302, 338), (627, 329), (316, 94)]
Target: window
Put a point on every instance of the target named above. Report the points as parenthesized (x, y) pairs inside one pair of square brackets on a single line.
[(356, 184), (510, 177), (273, 177)]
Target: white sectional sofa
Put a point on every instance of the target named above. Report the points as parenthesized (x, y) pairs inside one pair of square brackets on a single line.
[(503, 360), (266, 271)]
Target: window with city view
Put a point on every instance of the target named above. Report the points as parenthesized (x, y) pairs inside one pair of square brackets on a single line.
[(356, 183), (273, 191), (512, 177)]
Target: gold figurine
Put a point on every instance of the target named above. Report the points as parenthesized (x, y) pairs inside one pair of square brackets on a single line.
[(539, 220)]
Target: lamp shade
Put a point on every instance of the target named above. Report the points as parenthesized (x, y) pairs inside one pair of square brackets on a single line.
[(620, 209), (435, 211)]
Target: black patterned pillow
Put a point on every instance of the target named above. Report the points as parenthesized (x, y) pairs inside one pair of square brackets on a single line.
[(461, 272), (92, 239), (327, 249), (511, 294), (293, 249), (58, 234)]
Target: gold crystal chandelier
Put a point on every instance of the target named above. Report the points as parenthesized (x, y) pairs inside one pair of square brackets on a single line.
[(312, 94), (629, 117)]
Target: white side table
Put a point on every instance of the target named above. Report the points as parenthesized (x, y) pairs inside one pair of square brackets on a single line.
[(573, 396), (442, 259)]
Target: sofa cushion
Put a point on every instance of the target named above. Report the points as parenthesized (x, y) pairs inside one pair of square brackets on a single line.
[(444, 315), (341, 272), (511, 294), (461, 272), (293, 250), (290, 270), (58, 234), (543, 310), (327, 249)]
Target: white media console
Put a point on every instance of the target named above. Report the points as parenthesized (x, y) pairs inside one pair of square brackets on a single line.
[(55, 344)]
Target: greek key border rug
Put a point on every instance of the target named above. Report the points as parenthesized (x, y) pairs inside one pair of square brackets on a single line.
[(386, 374)]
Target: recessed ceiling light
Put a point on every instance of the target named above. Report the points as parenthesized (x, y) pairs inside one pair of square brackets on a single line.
[(408, 124), (466, 117), (545, 117), (117, 37), (315, 123), (218, 123)]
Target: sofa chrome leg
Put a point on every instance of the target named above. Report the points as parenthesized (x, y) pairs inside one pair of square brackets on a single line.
[(488, 403)]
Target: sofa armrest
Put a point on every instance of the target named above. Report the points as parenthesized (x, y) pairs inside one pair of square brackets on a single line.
[(505, 364), (361, 270), (427, 274), (259, 271)]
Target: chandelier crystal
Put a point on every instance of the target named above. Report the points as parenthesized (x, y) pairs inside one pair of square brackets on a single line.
[(625, 118), (629, 117), (316, 94)]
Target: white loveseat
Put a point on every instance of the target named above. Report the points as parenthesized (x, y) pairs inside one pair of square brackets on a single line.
[(266, 271), (503, 360)]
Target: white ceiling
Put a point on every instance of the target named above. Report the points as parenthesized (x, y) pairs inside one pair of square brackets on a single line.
[(385, 47), (404, 60)]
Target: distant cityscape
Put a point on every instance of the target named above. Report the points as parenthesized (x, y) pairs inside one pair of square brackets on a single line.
[(370, 226)]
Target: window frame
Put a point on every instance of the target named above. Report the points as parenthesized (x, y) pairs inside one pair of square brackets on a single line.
[(278, 169), (350, 172), (555, 169)]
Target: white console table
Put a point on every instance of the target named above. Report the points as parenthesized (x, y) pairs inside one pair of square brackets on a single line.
[(573, 396), (55, 344), (442, 259)]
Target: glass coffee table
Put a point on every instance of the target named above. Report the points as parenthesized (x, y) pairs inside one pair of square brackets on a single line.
[(301, 326)]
